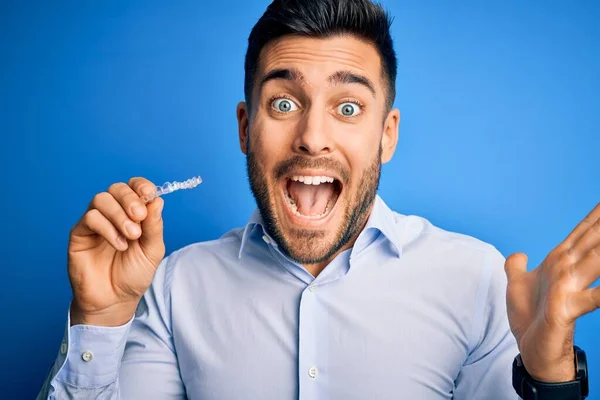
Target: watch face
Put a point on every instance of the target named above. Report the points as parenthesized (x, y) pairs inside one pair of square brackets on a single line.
[(519, 360), (581, 370)]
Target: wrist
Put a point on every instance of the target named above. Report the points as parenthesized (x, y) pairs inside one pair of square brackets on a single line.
[(563, 371), (116, 315), (529, 388)]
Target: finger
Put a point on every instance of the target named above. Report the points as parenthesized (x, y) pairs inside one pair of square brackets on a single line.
[(586, 301), (583, 226), (587, 241), (129, 201), (515, 266), (142, 186), (114, 212), (587, 269), (152, 231), (94, 223)]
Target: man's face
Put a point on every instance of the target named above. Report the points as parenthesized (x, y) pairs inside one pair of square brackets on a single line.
[(317, 136)]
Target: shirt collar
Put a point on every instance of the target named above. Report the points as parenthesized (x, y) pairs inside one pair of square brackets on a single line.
[(382, 219), (255, 220)]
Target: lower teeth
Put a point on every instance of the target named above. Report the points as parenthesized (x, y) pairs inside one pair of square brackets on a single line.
[(296, 212)]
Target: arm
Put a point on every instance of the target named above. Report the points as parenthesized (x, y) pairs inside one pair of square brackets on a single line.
[(487, 373), (133, 361)]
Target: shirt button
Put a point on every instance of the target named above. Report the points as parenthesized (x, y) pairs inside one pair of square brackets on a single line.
[(312, 372), (312, 288), (266, 239), (63, 348), (87, 356)]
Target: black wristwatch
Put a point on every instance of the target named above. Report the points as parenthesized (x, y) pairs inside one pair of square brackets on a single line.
[(531, 389)]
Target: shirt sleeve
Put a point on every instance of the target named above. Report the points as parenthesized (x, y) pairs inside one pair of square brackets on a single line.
[(133, 361), (487, 371)]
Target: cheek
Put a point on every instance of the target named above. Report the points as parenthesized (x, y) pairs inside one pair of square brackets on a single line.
[(268, 147), (273, 140), (361, 136), (361, 150)]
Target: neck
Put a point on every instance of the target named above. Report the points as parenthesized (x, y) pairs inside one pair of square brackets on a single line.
[(316, 269)]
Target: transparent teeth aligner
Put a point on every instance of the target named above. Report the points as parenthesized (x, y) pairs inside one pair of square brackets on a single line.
[(170, 187)]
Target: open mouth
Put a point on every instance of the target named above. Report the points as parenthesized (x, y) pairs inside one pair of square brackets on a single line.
[(311, 197)]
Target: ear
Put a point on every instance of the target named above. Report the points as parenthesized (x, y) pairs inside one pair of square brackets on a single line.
[(390, 135), (243, 125)]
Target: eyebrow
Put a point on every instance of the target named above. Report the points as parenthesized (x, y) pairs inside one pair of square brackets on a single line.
[(338, 78), (346, 77), (286, 74)]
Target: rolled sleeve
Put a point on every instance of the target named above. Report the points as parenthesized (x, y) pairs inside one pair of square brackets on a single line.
[(92, 354), (136, 360)]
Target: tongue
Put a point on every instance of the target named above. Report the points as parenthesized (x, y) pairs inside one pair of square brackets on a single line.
[(310, 199)]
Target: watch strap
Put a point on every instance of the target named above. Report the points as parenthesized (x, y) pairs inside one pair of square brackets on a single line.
[(531, 389)]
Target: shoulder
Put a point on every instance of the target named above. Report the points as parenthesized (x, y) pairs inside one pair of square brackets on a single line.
[(413, 229), (440, 248), (194, 259), (225, 248)]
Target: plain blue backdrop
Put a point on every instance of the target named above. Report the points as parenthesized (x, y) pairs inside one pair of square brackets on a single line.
[(499, 138)]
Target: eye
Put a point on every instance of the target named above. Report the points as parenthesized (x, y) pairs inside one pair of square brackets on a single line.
[(349, 109), (284, 105)]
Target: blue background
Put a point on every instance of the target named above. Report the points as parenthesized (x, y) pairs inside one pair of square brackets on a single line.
[(499, 136)]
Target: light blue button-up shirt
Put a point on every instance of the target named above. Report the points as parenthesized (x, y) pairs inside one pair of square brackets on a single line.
[(411, 311)]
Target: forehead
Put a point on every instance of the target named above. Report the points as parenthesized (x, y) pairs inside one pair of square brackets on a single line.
[(318, 58)]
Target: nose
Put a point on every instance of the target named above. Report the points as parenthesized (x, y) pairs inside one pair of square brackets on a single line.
[(313, 138)]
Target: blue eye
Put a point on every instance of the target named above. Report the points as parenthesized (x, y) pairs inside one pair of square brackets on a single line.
[(284, 105), (349, 109)]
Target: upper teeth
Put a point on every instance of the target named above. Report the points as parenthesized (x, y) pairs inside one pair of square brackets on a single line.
[(312, 180)]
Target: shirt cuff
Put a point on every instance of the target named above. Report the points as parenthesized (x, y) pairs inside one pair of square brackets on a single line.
[(91, 355)]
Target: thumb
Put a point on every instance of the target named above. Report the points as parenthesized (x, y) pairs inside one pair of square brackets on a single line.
[(151, 240), (515, 265)]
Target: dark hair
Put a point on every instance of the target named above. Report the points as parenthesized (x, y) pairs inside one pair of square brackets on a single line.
[(320, 19)]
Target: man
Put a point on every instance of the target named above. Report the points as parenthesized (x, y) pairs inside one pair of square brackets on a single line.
[(326, 292)]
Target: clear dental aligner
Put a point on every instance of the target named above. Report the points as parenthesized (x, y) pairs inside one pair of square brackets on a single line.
[(170, 187)]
